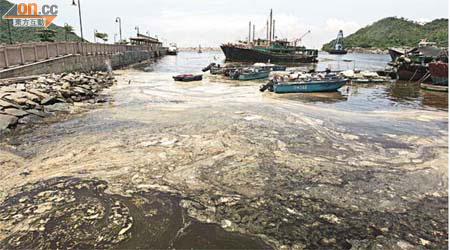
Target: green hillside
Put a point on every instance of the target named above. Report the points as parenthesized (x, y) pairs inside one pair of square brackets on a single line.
[(20, 35), (396, 32)]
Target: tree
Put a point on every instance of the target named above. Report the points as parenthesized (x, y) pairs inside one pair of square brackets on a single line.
[(46, 35), (102, 36), (67, 29)]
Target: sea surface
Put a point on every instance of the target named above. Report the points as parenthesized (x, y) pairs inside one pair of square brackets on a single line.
[(218, 164)]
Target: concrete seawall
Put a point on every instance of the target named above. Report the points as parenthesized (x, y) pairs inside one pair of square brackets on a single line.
[(82, 63), (43, 58)]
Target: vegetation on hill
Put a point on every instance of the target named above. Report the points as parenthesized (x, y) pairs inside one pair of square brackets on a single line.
[(23, 35), (397, 32)]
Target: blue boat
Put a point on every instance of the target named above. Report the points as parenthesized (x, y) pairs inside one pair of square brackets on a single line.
[(248, 74), (305, 86), (326, 85)]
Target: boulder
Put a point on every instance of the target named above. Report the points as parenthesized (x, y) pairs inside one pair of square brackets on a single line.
[(15, 112), (36, 112), (6, 104), (42, 95), (58, 107), (48, 100), (7, 121), (29, 119)]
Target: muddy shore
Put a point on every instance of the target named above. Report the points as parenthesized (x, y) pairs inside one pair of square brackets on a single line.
[(218, 165)]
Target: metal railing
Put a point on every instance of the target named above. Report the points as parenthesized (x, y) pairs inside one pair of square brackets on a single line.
[(21, 54)]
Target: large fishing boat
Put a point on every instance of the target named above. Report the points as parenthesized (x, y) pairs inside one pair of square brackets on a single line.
[(270, 49), (338, 45)]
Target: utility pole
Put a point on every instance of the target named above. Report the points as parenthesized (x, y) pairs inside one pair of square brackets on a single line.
[(95, 37), (137, 29), (79, 13), (118, 20)]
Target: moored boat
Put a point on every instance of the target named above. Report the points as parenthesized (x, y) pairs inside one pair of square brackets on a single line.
[(328, 83), (188, 78), (173, 49), (434, 87), (270, 49), (269, 67), (324, 85), (439, 72), (248, 74), (338, 46)]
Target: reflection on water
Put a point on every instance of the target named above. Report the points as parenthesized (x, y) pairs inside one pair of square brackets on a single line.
[(356, 97), (325, 97)]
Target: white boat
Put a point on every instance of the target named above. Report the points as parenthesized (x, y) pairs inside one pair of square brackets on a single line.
[(173, 49)]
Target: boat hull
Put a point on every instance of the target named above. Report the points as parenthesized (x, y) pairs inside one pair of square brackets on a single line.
[(413, 72), (309, 87), (172, 53), (250, 55), (434, 87), (250, 76), (337, 52), (439, 73), (188, 78)]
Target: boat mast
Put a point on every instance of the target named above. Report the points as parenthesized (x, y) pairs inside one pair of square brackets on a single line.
[(249, 32), (253, 33), (267, 30), (273, 32), (270, 32)]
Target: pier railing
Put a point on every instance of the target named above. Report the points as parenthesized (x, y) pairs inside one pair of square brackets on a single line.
[(21, 54)]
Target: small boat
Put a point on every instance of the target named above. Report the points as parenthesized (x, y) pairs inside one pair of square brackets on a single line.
[(305, 86), (173, 49), (199, 49), (188, 78), (248, 74), (217, 70), (208, 67), (434, 87), (269, 67)]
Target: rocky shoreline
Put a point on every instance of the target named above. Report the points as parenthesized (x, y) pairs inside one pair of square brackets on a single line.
[(30, 100)]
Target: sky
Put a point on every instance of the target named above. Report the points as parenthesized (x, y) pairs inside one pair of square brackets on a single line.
[(212, 22)]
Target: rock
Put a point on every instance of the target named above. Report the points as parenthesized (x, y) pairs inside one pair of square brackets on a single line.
[(125, 229), (167, 142), (42, 208), (15, 112), (38, 93), (65, 85), (6, 104), (49, 100), (226, 223), (7, 121), (36, 112), (331, 218), (29, 119)]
